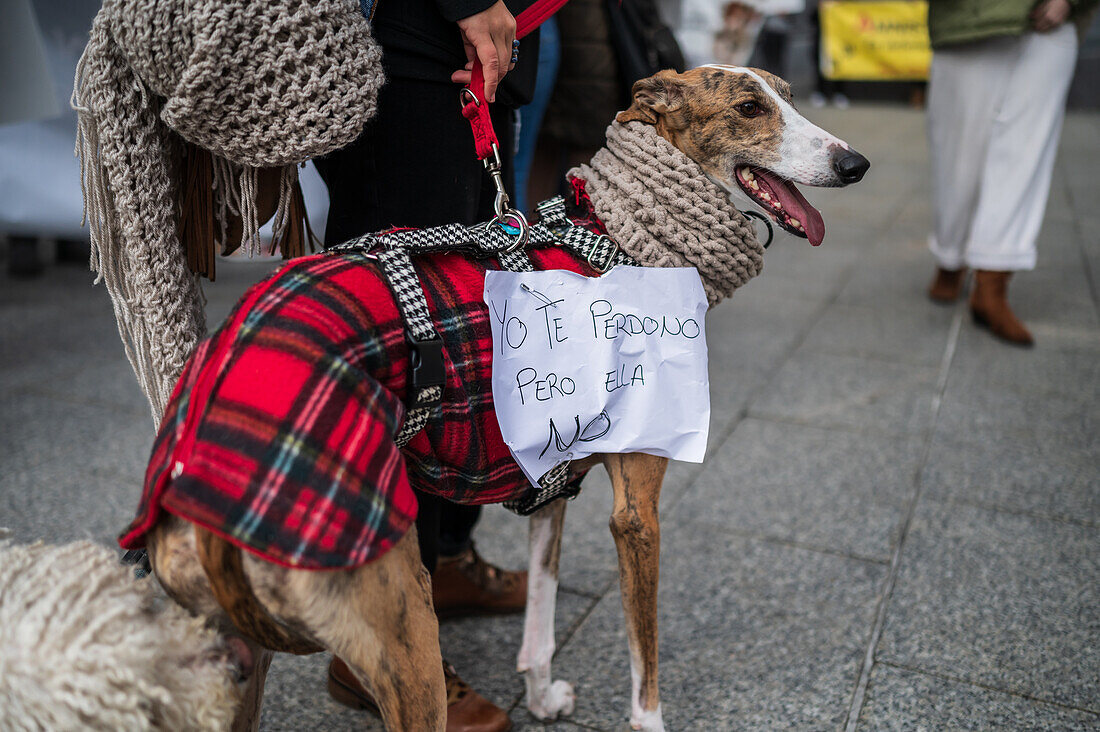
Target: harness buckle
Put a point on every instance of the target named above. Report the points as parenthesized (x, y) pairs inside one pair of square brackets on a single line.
[(426, 363), (614, 250)]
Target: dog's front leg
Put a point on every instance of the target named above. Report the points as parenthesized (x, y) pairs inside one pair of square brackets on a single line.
[(636, 479), (545, 700)]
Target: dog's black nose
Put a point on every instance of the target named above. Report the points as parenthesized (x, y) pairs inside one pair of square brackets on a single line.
[(851, 166)]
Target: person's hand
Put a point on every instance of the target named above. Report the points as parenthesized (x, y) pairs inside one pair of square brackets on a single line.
[(487, 36), (1050, 14)]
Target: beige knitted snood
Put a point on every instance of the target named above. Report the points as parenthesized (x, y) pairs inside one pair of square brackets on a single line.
[(661, 209), (254, 85)]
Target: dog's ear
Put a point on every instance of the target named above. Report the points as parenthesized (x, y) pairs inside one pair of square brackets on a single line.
[(654, 96)]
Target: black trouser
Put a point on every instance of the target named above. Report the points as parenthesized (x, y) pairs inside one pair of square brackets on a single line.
[(414, 165)]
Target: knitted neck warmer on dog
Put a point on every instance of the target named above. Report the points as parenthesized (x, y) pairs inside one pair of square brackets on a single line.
[(661, 209), (246, 85)]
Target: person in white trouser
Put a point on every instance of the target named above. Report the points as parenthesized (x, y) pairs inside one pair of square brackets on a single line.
[(995, 109)]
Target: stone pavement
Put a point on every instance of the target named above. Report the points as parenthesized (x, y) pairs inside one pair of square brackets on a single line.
[(897, 527)]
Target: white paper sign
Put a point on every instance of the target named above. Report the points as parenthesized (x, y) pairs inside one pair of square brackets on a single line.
[(583, 365)]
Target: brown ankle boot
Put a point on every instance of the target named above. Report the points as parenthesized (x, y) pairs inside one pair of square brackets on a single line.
[(467, 711), (947, 285), (989, 306), (468, 585)]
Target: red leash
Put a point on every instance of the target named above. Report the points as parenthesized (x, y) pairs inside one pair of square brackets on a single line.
[(475, 108)]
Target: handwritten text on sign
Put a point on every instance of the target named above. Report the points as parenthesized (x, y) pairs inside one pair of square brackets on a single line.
[(586, 365)]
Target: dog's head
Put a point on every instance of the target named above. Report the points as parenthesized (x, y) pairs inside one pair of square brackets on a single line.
[(739, 125)]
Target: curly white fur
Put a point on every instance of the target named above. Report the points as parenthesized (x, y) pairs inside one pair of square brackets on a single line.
[(83, 645)]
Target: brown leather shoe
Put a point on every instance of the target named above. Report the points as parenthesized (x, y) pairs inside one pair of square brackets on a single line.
[(989, 307), (947, 285), (467, 711), (468, 585)]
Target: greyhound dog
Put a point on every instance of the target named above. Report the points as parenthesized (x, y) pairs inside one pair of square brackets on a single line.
[(375, 611)]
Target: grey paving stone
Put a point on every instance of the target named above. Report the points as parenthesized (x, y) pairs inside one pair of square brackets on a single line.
[(524, 722), (895, 276), (746, 342), (99, 378), (800, 272), (1049, 300), (996, 412), (914, 215), (1059, 247), (295, 699), (588, 559), (234, 276), (39, 328), (849, 392), (36, 429), (56, 503), (1002, 600), (1066, 365), (753, 636), (1049, 479), (831, 489), (483, 650), (917, 336), (899, 699)]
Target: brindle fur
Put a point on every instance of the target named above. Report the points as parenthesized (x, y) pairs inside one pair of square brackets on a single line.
[(379, 617), (697, 111)]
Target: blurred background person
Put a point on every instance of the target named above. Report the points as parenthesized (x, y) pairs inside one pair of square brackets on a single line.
[(529, 117), (825, 89), (773, 43), (1000, 74), (605, 47), (736, 40)]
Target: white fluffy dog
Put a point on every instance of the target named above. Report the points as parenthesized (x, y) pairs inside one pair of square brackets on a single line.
[(83, 645)]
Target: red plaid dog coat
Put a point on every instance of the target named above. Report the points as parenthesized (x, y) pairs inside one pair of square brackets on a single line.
[(279, 435)]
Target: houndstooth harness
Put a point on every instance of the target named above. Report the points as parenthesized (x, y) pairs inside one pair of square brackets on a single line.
[(395, 250)]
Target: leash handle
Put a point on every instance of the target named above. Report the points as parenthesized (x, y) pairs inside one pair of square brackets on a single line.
[(475, 107)]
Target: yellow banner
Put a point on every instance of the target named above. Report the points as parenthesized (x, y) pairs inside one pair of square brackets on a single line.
[(875, 41)]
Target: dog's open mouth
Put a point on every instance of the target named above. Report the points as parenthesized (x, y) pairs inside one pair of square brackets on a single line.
[(783, 201)]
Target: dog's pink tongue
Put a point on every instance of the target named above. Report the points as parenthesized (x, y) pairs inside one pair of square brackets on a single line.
[(797, 207)]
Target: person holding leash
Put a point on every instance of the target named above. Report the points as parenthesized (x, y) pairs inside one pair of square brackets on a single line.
[(414, 165), (1001, 70)]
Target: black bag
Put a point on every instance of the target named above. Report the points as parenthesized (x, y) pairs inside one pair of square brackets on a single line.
[(643, 43)]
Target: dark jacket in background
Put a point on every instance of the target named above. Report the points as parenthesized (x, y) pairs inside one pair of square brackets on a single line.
[(589, 91), (964, 21)]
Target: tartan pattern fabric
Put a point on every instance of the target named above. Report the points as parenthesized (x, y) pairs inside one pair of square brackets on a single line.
[(280, 434), (406, 288)]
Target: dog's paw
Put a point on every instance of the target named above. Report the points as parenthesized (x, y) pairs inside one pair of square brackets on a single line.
[(647, 721), (558, 700)]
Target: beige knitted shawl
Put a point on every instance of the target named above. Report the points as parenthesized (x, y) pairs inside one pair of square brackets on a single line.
[(662, 210), (257, 84)]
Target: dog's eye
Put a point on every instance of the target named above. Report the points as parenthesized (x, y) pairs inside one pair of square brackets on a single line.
[(750, 109)]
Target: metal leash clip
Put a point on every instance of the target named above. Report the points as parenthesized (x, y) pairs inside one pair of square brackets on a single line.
[(505, 214)]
